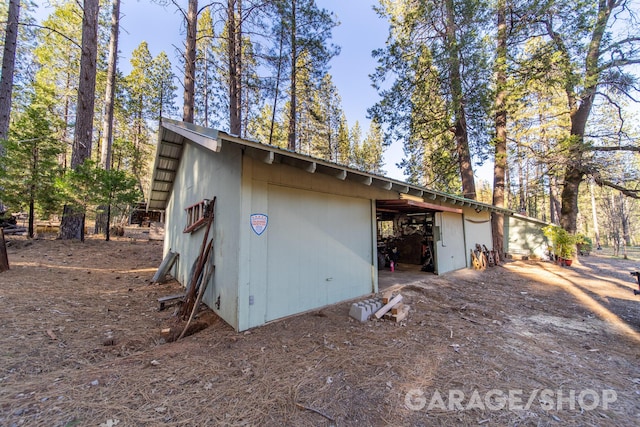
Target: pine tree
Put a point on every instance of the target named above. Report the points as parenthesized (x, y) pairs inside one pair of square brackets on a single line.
[(436, 103), (592, 48), (8, 66), (30, 168), (305, 31), (107, 123), (57, 55), (72, 224)]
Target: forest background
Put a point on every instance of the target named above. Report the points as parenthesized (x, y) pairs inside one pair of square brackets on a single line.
[(544, 91)]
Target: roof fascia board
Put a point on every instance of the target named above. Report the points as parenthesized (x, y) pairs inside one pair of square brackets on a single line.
[(212, 139), (208, 139)]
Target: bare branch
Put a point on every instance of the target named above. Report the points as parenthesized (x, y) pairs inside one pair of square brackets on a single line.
[(622, 62), (626, 191), (617, 107), (618, 148), (53, 30), (619, 43)]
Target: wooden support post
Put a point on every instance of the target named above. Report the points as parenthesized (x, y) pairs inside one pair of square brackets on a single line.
[(4, 259)]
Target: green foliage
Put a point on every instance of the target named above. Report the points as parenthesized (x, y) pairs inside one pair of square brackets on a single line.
[(420, 106), (564, 243), (88, 186), (584, 242), (367, 156), (30, 166)]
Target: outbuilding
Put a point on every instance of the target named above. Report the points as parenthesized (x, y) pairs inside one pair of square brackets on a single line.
[(293, 233)]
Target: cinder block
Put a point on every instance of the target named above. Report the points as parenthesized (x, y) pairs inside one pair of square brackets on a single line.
[(359, 312)]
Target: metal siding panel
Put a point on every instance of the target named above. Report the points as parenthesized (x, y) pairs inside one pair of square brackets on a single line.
[(450, 250), (523, 235), (319, 250), (203, 174), (477, 229)]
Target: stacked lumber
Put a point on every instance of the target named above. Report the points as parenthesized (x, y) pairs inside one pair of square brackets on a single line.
[(389, 307), (398, 312), (394, 309), (14, 230)]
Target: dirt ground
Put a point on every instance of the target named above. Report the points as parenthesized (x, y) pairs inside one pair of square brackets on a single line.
[(528, 343)]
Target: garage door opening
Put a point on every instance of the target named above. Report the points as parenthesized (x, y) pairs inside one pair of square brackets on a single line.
[(406, 233)]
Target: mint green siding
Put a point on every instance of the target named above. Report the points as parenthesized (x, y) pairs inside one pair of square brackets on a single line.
[(523, 235), (319, 250), (203, 174)]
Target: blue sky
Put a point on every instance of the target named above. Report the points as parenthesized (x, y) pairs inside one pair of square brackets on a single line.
[(359, 33)]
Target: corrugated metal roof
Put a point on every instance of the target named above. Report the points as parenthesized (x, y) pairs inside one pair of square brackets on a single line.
[(174, 134)]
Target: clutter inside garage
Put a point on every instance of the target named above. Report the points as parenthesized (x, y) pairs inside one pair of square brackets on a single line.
[(405, 236)]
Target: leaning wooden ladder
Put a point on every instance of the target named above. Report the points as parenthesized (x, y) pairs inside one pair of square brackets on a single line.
[(201, 276)]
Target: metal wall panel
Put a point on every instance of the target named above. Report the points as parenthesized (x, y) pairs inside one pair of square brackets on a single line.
[(524, 236), (450, 248), (319, 250), (203, 174)]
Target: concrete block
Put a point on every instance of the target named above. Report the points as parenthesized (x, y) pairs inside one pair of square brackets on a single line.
[(359, 312)]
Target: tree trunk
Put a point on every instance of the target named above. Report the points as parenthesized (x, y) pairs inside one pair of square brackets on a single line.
[(460, 125), (107, 125), (205, 88), (554, 200), (32, 211), (522, 199), (72, 224), (108, 228), (8, 65), (291, 145), (234, 46), (190, 61), (624, 218), (580, 111), (500, 156), (65, 133), (275, 96), (594, 213)]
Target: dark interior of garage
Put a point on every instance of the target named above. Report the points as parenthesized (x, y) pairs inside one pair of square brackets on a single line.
[(405, 234)]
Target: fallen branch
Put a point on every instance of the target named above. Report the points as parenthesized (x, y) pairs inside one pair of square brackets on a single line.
[(316, 411)]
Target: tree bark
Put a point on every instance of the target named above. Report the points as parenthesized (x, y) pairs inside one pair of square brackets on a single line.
[(8, 66), (107, 125), (277, 88), (580, 111), (460, 125), (4, 259), (594, 214), (624, 219), (190, 61), (554, 200), (291, 145), (500, 155), (72, 224), (234, 16)]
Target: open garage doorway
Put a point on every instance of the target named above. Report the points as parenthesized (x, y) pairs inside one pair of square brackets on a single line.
[(406, 233)]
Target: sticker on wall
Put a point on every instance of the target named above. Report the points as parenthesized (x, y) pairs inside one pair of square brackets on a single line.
[(259, 223)]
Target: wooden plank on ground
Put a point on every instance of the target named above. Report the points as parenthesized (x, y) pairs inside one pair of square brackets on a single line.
[(386, 297), (401, 315), (397, 308), (165, 266), (164, 300), (388, 306)]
